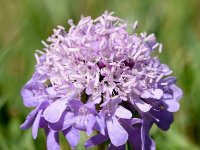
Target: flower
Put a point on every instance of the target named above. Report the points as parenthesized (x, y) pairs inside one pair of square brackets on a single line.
[(98, 77)]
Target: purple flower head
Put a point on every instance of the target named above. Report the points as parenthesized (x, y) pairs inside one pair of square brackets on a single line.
[(98, 77)]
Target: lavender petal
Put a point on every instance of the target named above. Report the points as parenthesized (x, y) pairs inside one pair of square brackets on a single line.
[(54, 111), (116, 132)]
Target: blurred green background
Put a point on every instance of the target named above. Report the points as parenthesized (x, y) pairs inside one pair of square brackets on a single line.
[(24, 23)]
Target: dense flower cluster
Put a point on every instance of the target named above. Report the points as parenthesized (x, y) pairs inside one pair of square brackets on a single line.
[(97, 77)]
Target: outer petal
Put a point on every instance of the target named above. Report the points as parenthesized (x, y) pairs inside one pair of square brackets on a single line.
[(146, 94), (134, 132), (169, 80), (142, 105), (112, 147), (69, 120), (162, 118), (91, 107), (96, 140), (147, 142), (91, 121), (52, 140), (173, 105), (66, 120), (43, 123), (28, 99), (121, 112), (54, 111), (116, 132), (76, 105), (33, 92), (100, 123), (58, 125), (29, 119), (36, 124), (157, 94), (31, 116), (51, 91), (177, 92), (72, 136), (80, 123)]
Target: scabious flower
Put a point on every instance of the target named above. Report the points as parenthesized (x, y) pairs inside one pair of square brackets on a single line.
[(99, 78)]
